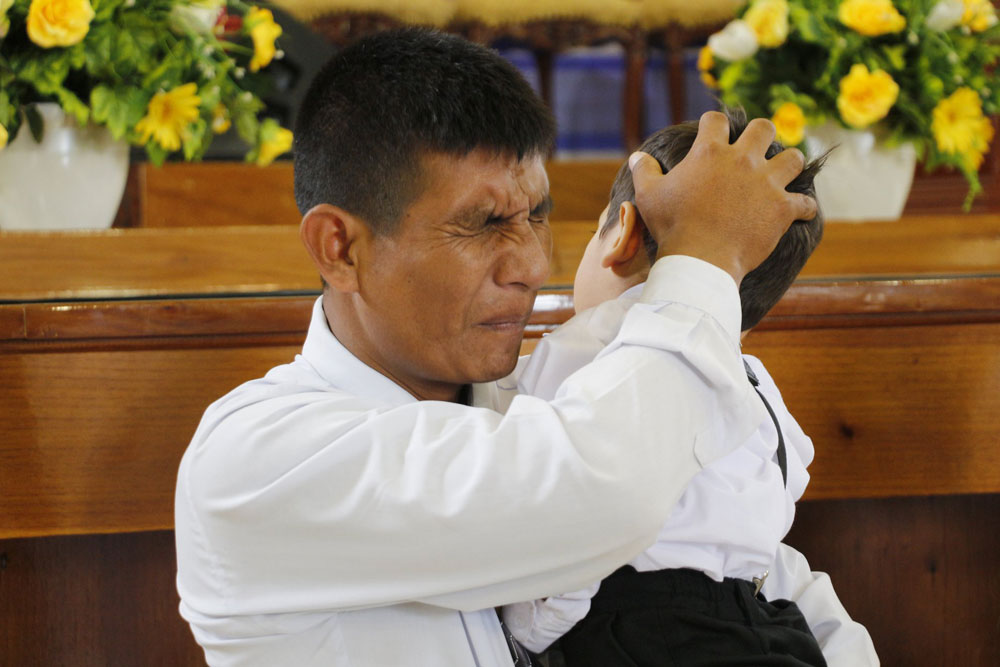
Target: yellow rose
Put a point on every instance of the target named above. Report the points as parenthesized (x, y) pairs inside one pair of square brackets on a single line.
[(705, 64), (866, 97), (271, 147), (979, 15), (3, 137), (263, 32), (790, 123), (960, 128), (59, 22), (769, 21), (870, 17)]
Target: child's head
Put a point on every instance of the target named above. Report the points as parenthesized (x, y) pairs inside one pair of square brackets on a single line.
[(622, 250)]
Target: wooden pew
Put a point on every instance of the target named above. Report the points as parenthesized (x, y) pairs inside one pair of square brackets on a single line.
[(107, 365)]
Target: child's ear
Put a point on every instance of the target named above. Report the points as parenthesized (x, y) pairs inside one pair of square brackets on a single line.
[(628, 237)]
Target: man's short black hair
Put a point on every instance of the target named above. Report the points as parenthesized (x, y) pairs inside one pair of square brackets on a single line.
[(764, 286), (379, 105)]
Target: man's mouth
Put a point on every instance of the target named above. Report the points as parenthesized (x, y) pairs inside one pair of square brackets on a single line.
[(507, 323)]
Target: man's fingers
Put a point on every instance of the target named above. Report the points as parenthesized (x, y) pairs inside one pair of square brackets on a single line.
[(803, 207), (713, 127), (757, 136), (644, 168), (787, 165)]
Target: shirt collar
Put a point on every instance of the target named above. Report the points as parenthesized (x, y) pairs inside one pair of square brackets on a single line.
[(338, 366)]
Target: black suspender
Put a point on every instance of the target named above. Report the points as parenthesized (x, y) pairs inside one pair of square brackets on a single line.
[(782, 457)]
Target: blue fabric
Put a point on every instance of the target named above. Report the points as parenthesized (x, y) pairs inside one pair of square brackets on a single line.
[(588, 85)]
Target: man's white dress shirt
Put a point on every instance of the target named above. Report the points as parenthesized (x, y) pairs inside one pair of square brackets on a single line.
[(326, 517), (730, 520)]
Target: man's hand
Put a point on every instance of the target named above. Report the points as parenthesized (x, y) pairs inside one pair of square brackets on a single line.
[(723, 203)]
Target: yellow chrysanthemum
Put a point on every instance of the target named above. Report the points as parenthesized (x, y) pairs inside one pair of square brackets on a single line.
[(706, 61), (3, 137), (790, 123), (866, 97), (769, 21), (168, 115), (960, 128), (263, 32), (979, 15), (58, 22), (871, 17), (220, 119), (271, 147)]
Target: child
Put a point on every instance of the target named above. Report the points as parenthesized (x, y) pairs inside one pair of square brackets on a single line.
[(712, 590)]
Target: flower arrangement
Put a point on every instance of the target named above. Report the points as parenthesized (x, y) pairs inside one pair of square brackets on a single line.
[(163, 74), (916, 70)]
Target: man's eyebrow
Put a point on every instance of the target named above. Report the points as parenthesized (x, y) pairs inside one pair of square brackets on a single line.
[(543, 207), (470, 215)]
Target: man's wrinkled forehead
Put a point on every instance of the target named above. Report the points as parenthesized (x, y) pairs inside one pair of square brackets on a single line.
[(486, 181)]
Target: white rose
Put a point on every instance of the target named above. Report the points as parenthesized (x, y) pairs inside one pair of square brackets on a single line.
[(198, 17), (945, 15), (736, 41)]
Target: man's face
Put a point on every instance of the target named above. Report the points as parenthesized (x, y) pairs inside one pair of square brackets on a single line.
[(445, 297)]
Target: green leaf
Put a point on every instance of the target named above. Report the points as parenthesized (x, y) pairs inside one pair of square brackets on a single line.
[(46, 72), (98, 59), (246, 126), (895, 56), (804, 23), (73, 106), (119, 109), (35, 123), (194, 139), (157, 153)]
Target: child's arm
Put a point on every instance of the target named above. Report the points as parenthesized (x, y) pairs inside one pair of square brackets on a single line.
[(845, 643), (538, 623), (572, 346)]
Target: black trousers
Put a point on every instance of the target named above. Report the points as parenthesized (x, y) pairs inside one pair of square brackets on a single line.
[(683, 618)]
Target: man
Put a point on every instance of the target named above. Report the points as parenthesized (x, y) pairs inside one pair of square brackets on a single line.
[(351, 508)]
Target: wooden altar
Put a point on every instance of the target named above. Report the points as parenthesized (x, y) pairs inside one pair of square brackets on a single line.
[(112, 343)]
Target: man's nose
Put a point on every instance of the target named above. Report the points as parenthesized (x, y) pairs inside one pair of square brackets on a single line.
[(525, 258)]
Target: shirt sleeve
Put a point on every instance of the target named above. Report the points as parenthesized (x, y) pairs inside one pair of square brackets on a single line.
[(845, 643), (294, 496), (538, 623)]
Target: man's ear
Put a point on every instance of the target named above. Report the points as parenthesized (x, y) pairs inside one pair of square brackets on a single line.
[(334, 238), (628, 238)]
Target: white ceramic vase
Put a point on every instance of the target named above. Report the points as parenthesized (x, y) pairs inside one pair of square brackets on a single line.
[(863, 179), (73, 179)]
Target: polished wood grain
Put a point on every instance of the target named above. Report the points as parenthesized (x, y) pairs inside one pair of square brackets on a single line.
[(924, 245), (122, 263), (892, 411), (211, 194), (105, 418), (917, 572), (270, 259), (99, 433), (93, 601), (214, 194), (237, 194), (920, 573)]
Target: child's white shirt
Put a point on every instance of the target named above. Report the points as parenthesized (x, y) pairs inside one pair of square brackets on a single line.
[(730, 520)]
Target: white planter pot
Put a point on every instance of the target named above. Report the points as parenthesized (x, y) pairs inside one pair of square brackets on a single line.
[(863, 179), (73, 179)]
